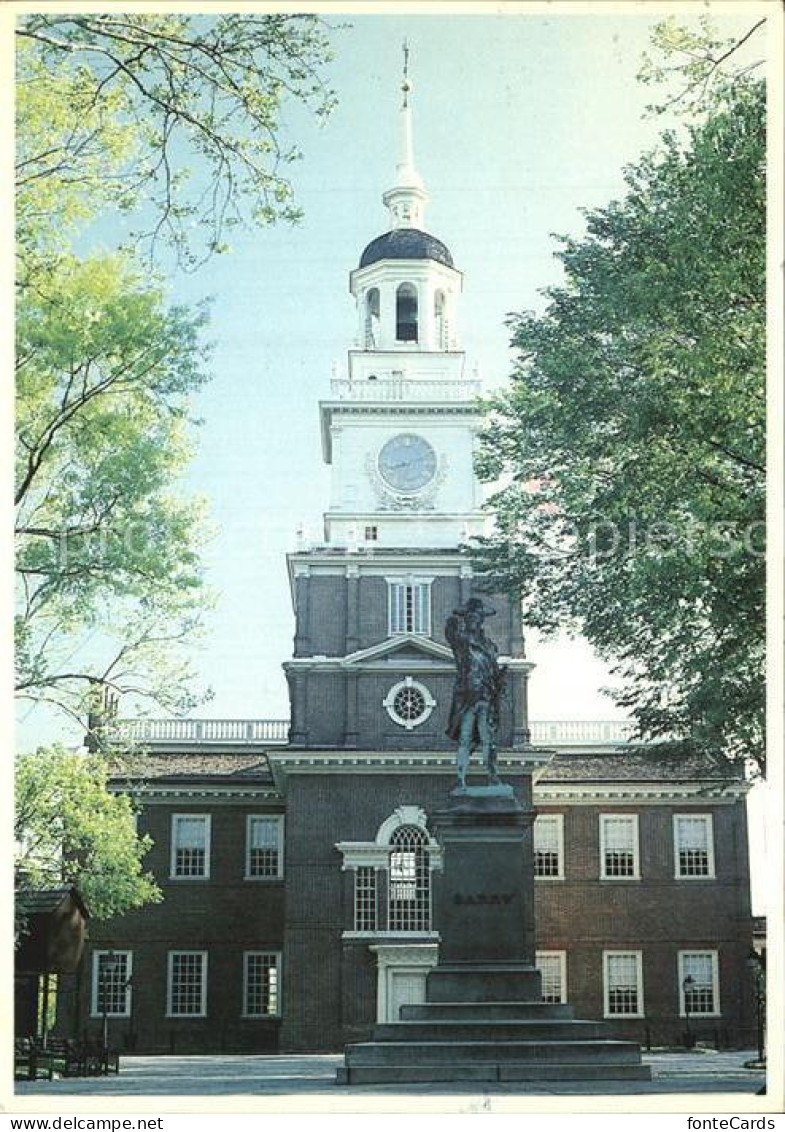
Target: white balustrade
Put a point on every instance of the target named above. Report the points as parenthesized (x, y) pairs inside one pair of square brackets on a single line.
[(574, 732), (560, 733), (388, 388), (202, 731)]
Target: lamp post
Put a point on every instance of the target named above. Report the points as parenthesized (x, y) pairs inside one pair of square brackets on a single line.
[(756, 962), (686, 986)]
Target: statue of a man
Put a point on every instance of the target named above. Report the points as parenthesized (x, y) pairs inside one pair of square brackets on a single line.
[(474, 714)]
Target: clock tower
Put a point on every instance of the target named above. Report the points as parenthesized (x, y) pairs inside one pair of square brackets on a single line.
[(371, 668)]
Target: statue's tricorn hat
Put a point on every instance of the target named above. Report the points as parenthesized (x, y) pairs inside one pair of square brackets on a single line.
[(477, 606)]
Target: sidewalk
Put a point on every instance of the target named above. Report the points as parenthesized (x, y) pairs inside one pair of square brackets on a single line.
[(255, 1076)]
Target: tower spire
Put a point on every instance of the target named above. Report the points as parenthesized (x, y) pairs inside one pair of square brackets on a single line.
[(406, 199)]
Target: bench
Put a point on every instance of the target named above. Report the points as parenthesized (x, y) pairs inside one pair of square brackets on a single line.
[(31, 1061)]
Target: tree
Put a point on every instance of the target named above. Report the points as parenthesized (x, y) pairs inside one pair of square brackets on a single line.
[(631, 443), (105, 546), (111, 107), (70, 829)]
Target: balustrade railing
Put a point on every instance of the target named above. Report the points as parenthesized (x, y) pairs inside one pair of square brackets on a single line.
[(273, 731), (389, 388), (574, 732), (276, 731)]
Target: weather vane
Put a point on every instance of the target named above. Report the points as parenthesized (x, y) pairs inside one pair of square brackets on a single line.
[(406, 86)]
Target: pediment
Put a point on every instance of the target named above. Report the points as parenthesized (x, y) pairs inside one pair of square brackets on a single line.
[(400, 650)]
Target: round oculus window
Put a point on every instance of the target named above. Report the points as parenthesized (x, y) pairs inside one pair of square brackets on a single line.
[(407, 462), (409, 703)]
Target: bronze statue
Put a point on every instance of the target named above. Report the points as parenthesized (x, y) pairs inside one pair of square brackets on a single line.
[(474, 714)]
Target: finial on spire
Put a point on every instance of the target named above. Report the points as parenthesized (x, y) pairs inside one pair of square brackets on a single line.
[(406, 86), (406, 199)]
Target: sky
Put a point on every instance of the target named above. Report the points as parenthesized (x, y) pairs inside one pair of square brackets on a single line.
[(521, 121)]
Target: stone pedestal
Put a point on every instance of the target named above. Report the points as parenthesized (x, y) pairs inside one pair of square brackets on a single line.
[(484, 900), (484, 1018)]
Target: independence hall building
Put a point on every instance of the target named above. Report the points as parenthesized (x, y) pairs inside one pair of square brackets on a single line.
[(297, 858)]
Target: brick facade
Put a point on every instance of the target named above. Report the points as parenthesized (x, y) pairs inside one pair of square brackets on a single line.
[(330, 978)]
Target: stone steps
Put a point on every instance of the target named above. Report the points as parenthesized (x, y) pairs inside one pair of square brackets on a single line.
[(471, 1072), (486, 1011), (496, 1050), (481, 1029)]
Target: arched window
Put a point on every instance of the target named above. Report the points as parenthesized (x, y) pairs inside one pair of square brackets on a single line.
[(406, 313), (440, 320), (409, 881), (392, 874), (371, 318)]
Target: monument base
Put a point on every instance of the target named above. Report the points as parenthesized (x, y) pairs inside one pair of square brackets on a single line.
[(484, 1018)]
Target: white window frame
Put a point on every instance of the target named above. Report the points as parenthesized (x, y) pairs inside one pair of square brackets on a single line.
[(713, 954), (94, 986), (558, 819), (279, 970), (606, 956), (409, 580), (372, 890), (279, 820), (562, 958), (202, 1012), (173, 874), (636, 851), (708, 821)]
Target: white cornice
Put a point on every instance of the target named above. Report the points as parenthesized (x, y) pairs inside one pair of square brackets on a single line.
[(217, 794), (638, 793), (442, 666), (415, 763), (447, 563)]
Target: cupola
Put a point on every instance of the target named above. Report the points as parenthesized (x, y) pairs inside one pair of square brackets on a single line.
[(406, 285)]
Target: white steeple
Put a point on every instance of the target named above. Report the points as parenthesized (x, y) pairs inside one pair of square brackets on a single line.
[(406, 199)]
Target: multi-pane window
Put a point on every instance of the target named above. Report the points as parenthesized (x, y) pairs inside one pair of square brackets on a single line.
[(623, 979), (619, 846), (264, 848), (693, 845), (112, 983), (409, 908), (552, 966), (190, 845), (410, 607), (699, 982), (365, 899), (187, 984), (262, 984), (549, 845)]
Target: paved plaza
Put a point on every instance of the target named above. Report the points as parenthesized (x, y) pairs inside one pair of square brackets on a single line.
[(256, 1076)]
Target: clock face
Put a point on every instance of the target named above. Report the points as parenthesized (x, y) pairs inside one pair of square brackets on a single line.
[(407, 462)]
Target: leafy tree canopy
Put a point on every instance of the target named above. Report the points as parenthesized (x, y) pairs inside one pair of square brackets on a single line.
[(631, 442), (176, 119), (70, 829), (111, 108), (104, 372)]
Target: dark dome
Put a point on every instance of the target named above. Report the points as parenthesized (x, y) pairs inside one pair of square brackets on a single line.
[(406, 243)]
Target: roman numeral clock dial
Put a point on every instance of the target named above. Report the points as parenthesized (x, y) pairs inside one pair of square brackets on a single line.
[(407, 463)]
